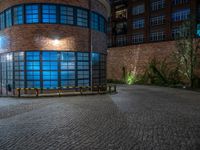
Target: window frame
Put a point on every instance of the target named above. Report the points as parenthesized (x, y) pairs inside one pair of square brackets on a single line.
[(38, 14), (16, 15)]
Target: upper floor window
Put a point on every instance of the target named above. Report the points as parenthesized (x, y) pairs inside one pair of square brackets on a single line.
[(138, 24), (198, 12), (175, 32), (49, 14), (66, 15), (178, 32), (158, 4), (8, 18), (120, 14), (2, 21), (82, 18), (32, 13), (138, 9), (138, 38), (94, 21), (18, 15), (102, 24), (180, 15), (121, 41), (121, 28), (158, 20), (176, 2), (157, 36)]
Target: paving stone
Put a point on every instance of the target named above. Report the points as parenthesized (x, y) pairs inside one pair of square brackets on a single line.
[(137, 118)]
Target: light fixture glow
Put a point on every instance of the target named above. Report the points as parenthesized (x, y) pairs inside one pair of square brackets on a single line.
[(1, 42), (56, 42), (9, 57)]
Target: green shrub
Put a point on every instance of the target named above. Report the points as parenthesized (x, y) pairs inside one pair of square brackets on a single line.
[(131, 78), (160, 73)]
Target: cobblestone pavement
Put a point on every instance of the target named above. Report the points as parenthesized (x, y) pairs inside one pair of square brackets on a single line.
[(137, 118)]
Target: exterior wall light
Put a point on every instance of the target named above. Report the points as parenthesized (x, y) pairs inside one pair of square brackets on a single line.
[(56, 42), (9, 57)]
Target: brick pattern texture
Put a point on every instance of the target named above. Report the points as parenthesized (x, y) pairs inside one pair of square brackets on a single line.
[(135, 58)]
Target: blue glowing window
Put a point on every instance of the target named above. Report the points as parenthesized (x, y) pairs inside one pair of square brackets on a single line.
[(95, 57), (33, 75), (50, 84), (33, 65), (50, 56), (180, 15), (32, 13), (83, 56), (19, 75), (176, 2), (19, 84), (67, 56), (66, 15), (83, 82), (67, 65), (19, 66), (50, 66), (33, 84), (82, 18), (138, 24), (67, 83), (94, 21), (138, 9), (67, 75), (18, 15), (49, 14), (83, 74), (8, 18), (2, 21), (50, 75), (33, 56), (102, 24), (83, 65)]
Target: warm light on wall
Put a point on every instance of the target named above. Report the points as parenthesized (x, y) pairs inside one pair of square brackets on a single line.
[(56, 42), (9, 57)]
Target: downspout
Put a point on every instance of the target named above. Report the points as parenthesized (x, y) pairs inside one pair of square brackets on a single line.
[(90, 44)]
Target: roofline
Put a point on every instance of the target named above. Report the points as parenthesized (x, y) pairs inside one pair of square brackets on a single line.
[(106, 3)]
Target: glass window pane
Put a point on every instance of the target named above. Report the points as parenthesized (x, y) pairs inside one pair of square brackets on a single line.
[(49, 14), (32, 13)]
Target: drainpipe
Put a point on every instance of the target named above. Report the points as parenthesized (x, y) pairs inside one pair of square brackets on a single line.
[(91, 47)]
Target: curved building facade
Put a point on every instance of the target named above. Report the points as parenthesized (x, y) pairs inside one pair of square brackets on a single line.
[(52, 43)]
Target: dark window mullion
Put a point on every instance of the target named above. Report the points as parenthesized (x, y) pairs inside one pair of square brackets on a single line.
[(40, 13), (23, 14), (58, 14), (59, 68)]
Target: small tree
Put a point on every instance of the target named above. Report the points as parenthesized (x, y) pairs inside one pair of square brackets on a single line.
[(187, 47)]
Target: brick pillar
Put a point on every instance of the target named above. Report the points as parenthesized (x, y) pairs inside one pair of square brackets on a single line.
[(168, 21), (147, 20)]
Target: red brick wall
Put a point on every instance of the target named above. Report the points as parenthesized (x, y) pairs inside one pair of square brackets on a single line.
[(136, 57), (43, 36)]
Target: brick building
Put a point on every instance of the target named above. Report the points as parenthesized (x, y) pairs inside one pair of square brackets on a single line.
[(52, 43), (143, 29)]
